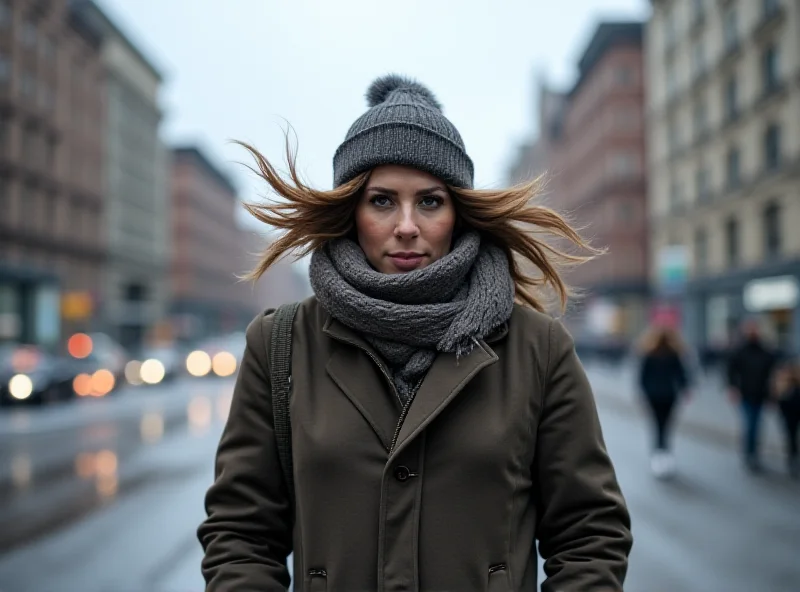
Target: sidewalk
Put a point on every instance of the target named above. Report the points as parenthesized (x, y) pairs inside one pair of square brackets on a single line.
[(708, 414)]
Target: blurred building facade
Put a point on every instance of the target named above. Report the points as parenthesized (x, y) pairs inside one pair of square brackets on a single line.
[(208, 250), (52, 133), (724, 160), (533, 156), (285, 281), (137, 203), (596, 158)]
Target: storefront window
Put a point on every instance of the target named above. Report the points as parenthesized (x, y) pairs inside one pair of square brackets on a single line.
[(10, 321)]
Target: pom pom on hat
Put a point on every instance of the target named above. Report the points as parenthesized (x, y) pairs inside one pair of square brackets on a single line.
[(382, 87)]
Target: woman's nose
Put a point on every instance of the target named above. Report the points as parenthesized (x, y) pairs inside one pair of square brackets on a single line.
[(406, 225)]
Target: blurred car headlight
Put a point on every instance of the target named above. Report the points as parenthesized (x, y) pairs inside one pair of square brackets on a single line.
[(133, 372), (198, 363), (152, 371), (224, 364), (20, 387)]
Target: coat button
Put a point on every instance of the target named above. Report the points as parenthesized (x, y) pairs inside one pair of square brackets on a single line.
[(402, 474)]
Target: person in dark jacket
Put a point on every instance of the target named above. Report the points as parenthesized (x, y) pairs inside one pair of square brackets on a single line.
[(663, 380), (750, 373), (441, 422), (787, 396)]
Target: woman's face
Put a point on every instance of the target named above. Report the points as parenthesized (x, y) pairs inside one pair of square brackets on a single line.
[(404, 219)]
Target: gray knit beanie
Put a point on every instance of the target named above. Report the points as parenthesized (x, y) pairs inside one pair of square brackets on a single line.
[(404, 126)]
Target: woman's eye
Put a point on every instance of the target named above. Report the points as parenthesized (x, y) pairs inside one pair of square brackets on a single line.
[(381, 201), (431, 202)]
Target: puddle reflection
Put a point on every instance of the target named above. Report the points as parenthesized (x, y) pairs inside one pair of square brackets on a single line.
[(103, 466), (199, 413), (151, 427), (21, 471)]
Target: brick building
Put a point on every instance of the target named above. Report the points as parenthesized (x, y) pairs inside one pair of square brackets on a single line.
[(597, 167), (209, 250), (52, 235)]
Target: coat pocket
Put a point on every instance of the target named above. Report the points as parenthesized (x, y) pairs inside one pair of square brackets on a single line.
[(498, 578), (317, 580)]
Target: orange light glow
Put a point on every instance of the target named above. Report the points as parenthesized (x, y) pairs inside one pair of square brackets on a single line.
[(102, 383), (82, 385), (105, 463), (107, 486), (79, 345)]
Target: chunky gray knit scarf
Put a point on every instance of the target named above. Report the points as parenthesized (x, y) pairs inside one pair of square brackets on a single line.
[(409, 317)]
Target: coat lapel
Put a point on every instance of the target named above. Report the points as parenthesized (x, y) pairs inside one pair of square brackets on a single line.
[(361, 379), (445, 379)]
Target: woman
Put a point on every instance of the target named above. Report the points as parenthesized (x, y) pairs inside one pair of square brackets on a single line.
[(438, 428), (662, 378), (787, 394)]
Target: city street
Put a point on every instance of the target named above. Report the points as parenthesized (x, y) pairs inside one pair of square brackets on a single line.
[(105, 496)]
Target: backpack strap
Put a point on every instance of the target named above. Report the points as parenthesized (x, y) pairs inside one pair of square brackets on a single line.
[(280, 364)]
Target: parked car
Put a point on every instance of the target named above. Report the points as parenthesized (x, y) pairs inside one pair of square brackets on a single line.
[(32, 376)]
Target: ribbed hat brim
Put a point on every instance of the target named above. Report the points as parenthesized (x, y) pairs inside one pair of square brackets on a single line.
[(404, 144)]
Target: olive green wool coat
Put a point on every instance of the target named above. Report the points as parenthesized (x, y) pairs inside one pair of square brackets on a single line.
[(498, 450)]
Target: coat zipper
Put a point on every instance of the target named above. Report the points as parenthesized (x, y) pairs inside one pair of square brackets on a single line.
[(406, 405), (403, 414)]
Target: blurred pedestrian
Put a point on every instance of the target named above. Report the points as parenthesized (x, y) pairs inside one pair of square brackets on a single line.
[(787, 394), (663, 380), (750, 372), (438, 428)]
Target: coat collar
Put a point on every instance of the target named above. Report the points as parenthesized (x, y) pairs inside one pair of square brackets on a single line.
[(359, 377)]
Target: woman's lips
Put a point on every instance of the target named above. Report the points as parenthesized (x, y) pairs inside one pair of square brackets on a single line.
[(406, 262)]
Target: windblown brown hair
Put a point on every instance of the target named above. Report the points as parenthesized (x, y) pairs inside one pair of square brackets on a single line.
[(509, 217)]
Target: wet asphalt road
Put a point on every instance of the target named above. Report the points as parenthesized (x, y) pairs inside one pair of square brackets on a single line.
[(105, 496)]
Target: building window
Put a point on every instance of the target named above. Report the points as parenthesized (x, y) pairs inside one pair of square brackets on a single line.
[(732, 241), (29, 145), (770, 7), (701, 249), (5, 132), (626, 212), (623, 76), (702, 185), (772, 230), (675, 195), (672, 135), (733, 168), (731, 99), (5, 68), (698, 9), (623, 164), (730, 29), (48, 49), (672, 81), (700, 118), (29, 34), (698, 57), (28, 85), (770, 69), (5, 14), (772, 147), (51, 153), (670, 30)]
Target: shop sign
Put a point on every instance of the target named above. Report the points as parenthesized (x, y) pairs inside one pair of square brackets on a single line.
[(775, 293)]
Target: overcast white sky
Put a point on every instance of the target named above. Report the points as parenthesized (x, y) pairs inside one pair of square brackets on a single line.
[(237, 69)]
